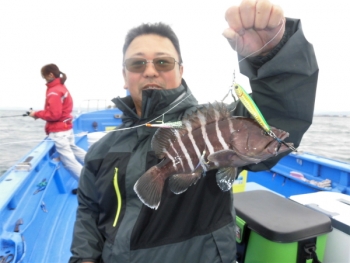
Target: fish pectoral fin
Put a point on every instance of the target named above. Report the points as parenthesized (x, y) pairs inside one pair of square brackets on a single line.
[(225, 177), (149, 187), (179, 183), (222, 158), (202, 165)]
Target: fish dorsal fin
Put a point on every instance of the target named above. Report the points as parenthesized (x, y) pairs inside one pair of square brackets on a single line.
[(162, 139), (205, 114)]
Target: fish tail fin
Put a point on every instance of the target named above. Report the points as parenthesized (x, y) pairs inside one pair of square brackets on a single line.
[(149, 187)]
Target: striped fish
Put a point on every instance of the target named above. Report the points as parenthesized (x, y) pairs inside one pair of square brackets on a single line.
[(210, 138)]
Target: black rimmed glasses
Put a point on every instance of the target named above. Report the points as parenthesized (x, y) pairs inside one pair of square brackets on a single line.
[(138, 65)]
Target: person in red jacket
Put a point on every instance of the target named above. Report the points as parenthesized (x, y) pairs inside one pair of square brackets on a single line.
[(58, 116)]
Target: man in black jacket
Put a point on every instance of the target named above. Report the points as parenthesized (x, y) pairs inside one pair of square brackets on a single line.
[(197, 226)]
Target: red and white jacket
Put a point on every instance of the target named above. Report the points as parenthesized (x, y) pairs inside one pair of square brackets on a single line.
[(58, 108)]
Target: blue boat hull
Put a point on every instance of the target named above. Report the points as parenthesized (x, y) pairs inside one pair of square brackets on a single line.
[(37, 208)]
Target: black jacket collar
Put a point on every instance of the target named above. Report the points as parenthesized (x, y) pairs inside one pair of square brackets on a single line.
[(156, 102)]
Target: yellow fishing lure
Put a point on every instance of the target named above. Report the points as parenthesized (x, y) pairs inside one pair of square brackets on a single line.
[(250, 105)]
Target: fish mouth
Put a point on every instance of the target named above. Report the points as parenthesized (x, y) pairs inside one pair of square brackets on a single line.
[(275, 146)]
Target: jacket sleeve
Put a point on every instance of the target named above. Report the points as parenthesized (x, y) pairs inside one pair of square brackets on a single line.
[(87, 241), (53, 107), (284, 87)]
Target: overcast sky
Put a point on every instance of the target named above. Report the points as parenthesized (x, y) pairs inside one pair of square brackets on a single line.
[(84, 38)]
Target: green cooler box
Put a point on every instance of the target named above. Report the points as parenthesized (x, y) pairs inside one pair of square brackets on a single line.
[(274, 229)]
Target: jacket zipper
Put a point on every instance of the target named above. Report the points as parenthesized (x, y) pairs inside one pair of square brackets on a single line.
[(119, 199)]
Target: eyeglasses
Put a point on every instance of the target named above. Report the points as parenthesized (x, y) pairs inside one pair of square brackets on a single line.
[(138, 65)]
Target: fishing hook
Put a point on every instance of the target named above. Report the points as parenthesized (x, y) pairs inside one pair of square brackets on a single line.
[(280, 142), (231, 89)]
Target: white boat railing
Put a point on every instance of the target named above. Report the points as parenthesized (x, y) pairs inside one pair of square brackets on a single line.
[(93, 105)]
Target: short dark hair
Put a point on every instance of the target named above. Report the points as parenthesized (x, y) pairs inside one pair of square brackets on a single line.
[(52, 68), (159, 28)]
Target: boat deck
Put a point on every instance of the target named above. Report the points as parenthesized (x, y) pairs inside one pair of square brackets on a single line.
[(37, 207), (41, 215)]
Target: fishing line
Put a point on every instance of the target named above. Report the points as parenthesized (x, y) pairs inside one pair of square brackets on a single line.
[(10, 116), (122, 129), (249, 55), (250, 105), (160, 116), (21, 115), (239, 61)]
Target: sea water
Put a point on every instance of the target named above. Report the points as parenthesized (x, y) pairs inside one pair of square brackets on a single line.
[(328, 136)]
